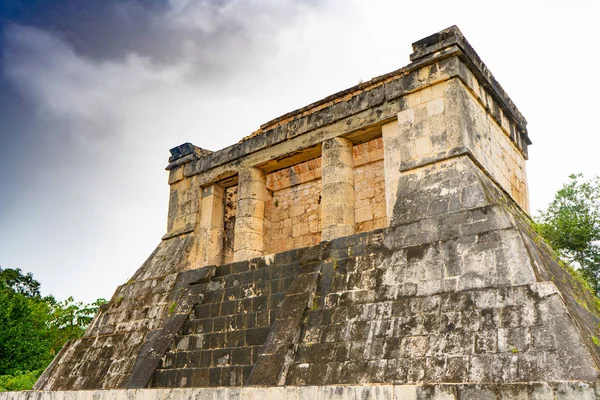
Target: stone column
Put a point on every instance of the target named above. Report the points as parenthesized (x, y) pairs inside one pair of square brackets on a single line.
[(212, 225), (392, 150), (250, 214), (337, 197)]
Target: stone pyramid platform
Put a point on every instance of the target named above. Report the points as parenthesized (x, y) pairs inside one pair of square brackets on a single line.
[(374, 244)]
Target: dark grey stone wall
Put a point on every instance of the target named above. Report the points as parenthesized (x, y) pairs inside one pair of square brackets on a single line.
[(222, 338)]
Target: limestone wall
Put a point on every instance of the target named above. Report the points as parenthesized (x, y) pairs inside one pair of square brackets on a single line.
[(437, 339), (446, 119), (570, 390), (293, 210), (492, 146), (184, 202), (222, 338), (369, 186), (293, 213), (446, 297)]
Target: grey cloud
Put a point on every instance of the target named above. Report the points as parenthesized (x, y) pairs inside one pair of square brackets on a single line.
[(201, 42), (202, 32)]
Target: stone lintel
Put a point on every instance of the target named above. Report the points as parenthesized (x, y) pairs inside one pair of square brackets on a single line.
[(178, 232)]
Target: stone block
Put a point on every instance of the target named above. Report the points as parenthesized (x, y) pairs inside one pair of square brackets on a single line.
[(406, 117), (476, 392), (405, 392), (308, 393), (574, 390), (436, 392)]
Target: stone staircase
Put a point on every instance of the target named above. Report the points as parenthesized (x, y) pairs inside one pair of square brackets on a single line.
[(221, 340)]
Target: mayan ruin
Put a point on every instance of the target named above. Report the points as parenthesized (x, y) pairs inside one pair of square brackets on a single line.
[(375, 244)]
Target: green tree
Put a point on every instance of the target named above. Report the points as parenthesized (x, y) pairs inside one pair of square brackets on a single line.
[(571, 225), (24, 381), (19, 283), (68, 320), (24, 337), (34, 328)]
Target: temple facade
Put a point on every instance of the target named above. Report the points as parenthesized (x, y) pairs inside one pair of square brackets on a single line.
[(373, 244)]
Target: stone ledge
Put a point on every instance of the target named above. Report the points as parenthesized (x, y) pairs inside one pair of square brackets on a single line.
[(565, 390), (185, 153), (178, 232)]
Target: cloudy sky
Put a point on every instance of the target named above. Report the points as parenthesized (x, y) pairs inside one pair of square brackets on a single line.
[(93, 94)]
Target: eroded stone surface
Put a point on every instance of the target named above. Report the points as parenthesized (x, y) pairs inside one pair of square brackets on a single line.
[(444, 292), (337, 204), (570, 390)]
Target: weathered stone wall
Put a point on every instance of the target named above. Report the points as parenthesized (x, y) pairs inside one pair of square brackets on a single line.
[(486, 336), (229, 222), (447, 119), (492, 146), (570, 390), (369, 186), (448, 297), (221, 340), (184, 203), (293, 212)]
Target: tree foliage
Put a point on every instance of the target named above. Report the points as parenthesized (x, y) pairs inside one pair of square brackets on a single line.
[(571, 225), (21, 381), (33, 328)]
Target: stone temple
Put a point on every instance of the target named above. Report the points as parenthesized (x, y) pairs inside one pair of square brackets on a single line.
[(375, 244)]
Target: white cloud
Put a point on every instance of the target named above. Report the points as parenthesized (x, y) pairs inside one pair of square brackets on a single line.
[(210, 72), (65, 85)]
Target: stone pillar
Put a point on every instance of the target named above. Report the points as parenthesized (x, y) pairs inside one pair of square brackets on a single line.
[(212, 225), (392, 150), (337, 201), (250, 214), (185, 193)]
